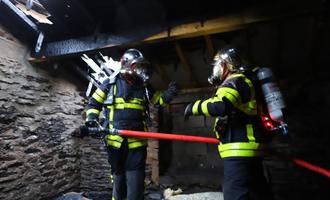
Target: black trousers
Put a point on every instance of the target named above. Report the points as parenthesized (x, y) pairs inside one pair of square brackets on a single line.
[(244, 179), (128, 171)]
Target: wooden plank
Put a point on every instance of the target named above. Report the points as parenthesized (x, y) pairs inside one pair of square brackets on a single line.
[(155, 172), (209, 45), (153, 143), (257, 14)]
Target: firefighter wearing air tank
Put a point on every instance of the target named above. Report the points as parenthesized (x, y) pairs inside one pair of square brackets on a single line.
[(125, 103), (242, 137)]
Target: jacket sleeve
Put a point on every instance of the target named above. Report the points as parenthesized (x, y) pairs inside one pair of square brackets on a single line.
[(158, 97), (95, 102), (220, 105)]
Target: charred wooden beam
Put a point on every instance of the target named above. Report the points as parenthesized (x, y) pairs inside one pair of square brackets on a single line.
[(11, 18), (257, 14), (222, 24), (19, 13)]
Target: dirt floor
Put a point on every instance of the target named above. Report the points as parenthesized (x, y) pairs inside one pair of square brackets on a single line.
[(198, 196)]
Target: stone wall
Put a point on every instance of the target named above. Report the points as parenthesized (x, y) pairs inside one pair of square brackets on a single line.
[(189, 163), (38, 112), (40, 107)]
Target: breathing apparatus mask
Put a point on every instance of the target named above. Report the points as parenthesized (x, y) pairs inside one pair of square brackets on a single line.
[(134, 64), (225, 61)]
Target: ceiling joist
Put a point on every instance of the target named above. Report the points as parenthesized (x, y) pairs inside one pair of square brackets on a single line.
[(218, 25), (209, 45)]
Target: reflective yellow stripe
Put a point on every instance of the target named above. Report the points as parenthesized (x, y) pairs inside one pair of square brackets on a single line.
[(161, 101), (231, 94), (114, 140), (241, 153), (100, 93), (255, 69), (136, 142), (92, 110), (134, 103), (111, 112), (195, 107), (235, 75), (214, 127), (251, 87), (155, 98), (245, 149), (204, 107), (241, 145), (98, 98), (134, 100), (250, 135), (111, 178), (249, 108), (129, 105)]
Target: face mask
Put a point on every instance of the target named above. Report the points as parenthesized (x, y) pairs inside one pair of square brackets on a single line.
[(141, 71), (215, 77)]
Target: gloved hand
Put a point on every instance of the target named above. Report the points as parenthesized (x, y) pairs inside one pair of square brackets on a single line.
[(172, 88), (170, 92), (91, 123), (188, 111), (80, 132)]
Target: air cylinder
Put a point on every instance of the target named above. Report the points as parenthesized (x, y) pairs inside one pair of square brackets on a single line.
[(272, 94)]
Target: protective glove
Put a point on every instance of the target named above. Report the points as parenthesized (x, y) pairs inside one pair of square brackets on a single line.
[(170, 92), (188, 111), (91, 123), (173, 88)]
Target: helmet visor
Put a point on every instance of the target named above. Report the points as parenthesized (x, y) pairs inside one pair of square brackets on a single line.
[(141, 69), (217, 72)]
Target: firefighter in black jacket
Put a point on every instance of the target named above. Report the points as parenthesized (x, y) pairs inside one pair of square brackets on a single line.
[(238, 126), (125, 103)]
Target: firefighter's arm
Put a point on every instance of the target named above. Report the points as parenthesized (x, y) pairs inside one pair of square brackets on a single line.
[(219, 105), (165, 97), (95, 103)]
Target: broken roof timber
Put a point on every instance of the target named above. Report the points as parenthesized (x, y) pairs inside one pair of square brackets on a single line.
[(212, 26), (21, 14)]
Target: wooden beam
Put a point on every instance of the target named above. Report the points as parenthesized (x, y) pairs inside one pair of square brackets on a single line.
[(258, 14), (235, 22), (185, 62)]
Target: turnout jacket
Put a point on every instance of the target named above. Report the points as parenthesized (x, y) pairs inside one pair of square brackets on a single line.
[(125, 106), (236, 106)]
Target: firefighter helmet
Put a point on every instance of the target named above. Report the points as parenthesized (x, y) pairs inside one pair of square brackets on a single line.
[(226, 60), (133, 63)]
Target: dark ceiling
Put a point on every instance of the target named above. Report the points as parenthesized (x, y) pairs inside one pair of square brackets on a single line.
[(124, 20), (74, 18), (79, 26)]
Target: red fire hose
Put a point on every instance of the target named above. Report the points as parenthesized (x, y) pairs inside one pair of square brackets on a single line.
[(166, 136), (187, 138), (312, 167)]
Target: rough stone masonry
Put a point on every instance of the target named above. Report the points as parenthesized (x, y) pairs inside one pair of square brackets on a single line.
[(38, 157)]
